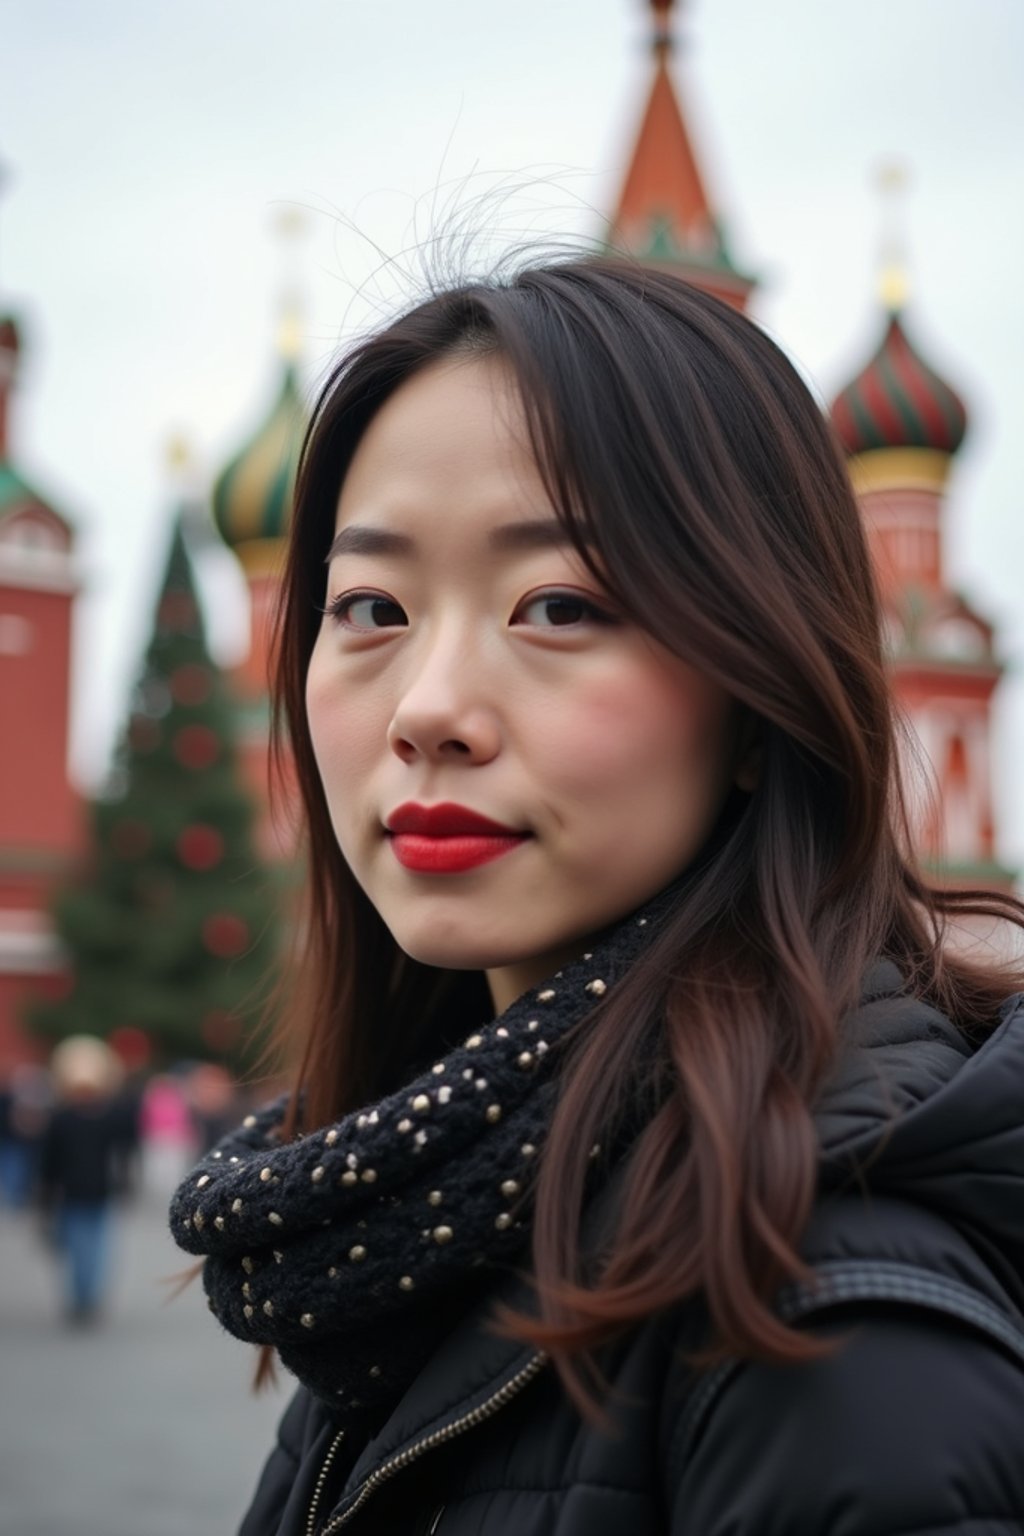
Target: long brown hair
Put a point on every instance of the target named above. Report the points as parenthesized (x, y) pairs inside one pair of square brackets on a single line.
[(703, 486)]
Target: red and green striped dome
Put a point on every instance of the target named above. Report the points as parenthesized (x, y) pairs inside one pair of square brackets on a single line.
[(252, 497), (897, 401)]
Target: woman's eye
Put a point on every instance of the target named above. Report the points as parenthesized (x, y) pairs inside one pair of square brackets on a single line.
[(559, 610), (366, 611)]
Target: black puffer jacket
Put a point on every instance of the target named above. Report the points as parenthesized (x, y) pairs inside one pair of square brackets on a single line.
[(83, 1160), (914, 1426)]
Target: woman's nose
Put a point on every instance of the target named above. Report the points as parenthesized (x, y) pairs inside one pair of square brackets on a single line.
[(445, 711)]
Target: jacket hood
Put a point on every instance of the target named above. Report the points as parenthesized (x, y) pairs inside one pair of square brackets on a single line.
[(917, 1113)]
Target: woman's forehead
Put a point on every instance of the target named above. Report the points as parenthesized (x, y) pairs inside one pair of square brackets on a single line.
[(453, 434), (472, 404)]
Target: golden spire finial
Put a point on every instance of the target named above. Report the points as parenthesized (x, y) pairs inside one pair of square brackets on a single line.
[(178, 454), (182, 469), (290, 225), (892, 179)]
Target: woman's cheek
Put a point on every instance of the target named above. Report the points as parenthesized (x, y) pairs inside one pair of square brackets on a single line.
[(343, 731), (641, 733), (597, 736)]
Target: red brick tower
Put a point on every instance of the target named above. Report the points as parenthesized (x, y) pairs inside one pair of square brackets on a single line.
[(664, 216), (901, 424), (40, 824)]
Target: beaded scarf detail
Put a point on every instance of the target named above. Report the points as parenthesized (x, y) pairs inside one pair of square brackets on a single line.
[(352, 1248)]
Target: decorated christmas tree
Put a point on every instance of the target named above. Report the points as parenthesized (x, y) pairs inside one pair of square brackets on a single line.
[(171, 921)]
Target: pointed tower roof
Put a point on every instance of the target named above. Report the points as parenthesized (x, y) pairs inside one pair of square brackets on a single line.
[(664, 215)]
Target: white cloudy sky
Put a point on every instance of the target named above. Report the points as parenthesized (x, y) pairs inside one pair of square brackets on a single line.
[(150, 145)]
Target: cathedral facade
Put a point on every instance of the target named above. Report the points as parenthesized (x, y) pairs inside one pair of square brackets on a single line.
[(898, 421)]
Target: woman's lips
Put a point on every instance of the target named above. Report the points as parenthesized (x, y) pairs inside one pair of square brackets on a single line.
[(450, 855), (448, 839)]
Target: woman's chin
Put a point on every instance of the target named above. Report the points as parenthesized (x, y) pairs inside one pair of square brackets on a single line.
[(452, 952)]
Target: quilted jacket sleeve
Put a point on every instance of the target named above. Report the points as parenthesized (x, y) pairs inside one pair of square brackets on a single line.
[(913, 1427), (265, 1515)]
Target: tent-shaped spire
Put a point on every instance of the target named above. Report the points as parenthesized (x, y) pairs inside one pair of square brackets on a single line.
[(664, 215)]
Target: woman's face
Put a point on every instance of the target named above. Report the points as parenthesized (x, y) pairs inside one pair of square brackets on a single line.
[(510, 763)]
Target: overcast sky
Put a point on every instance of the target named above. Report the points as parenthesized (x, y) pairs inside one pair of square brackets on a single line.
[(150, 146)]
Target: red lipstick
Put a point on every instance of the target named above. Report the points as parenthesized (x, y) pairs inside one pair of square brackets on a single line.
[(447, 839)]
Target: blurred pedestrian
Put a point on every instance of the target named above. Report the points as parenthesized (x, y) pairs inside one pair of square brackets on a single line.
[(81, 1170), (213, 1100), (25, 1101), (168, 1134), (134, 1050)]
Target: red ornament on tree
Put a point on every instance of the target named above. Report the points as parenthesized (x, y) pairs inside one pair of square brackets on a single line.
[(220, 1030), (177, 613), (144, 734), (196, 746), (200, 847), (133, 1046), (130, 839), (225, 935), (190, 684)]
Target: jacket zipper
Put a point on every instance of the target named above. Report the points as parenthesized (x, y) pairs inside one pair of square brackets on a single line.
[(321, 1480), (387, 1469)]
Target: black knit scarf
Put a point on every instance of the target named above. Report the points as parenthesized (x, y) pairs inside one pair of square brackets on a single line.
[(353, 1249)]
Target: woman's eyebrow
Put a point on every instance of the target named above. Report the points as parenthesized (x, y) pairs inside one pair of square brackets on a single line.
[(534, 533), (358, 539)]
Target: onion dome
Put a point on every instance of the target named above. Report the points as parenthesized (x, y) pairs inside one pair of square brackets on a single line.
[(252, 496), (898, 401)]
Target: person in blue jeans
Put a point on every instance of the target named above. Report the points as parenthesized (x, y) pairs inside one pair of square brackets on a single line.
[(81, 1169), (25, 1100)]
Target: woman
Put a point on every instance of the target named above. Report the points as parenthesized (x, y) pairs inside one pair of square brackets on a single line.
[(653, 1163), (84, 1166)]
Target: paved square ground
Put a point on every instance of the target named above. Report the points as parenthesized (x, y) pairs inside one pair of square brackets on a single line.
[(143, 1426)]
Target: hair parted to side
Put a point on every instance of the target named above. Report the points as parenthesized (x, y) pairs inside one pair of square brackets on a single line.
[(702, 485)]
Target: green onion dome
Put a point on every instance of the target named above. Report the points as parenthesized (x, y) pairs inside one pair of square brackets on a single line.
[(898, 401), (252, 496)]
